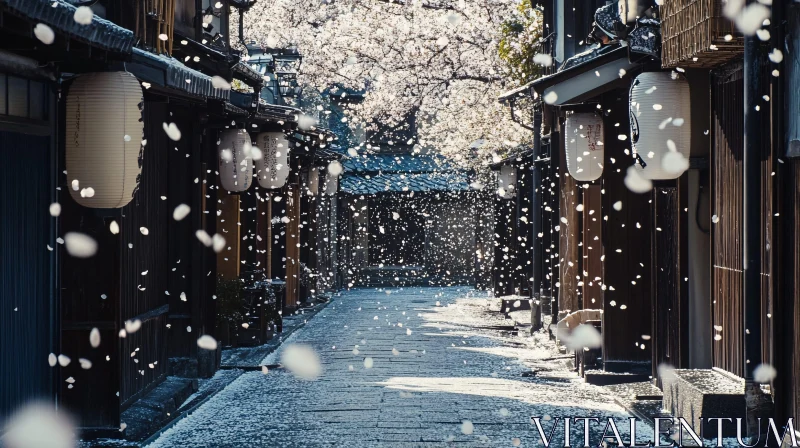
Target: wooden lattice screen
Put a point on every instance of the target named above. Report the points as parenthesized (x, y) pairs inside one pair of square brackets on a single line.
[(694, 33)]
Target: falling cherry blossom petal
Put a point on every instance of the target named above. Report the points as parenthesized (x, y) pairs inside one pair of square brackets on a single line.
[(44, 33), (302, 361), (80, 245), (207, 342)]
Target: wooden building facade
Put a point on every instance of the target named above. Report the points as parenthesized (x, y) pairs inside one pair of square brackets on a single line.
[(695, 272), (152, 287)]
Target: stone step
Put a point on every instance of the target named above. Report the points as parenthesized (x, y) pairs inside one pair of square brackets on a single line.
[(641, 390), (603, 378), (708, 393), (149, 413)]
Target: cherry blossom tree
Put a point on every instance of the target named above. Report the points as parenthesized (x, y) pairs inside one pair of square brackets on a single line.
[(435, 60)]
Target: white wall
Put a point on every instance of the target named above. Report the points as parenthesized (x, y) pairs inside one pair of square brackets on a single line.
[(700, 329)]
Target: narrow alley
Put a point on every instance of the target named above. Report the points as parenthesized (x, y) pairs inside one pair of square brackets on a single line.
[(437, 362)]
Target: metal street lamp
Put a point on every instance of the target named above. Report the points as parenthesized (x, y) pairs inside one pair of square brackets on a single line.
[(287, 84)]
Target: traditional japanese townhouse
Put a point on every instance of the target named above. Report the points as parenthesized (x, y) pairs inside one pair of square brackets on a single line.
[(745, 206), (621, 251), (534, 176), (586, 100), (297, 234), (251, 210), (31, 150), (128, 121), (704, 251), (309, 188)]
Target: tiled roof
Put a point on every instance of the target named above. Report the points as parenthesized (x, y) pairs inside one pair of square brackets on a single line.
[(400, 182), (170, 72), (60, 15), (393, 163)]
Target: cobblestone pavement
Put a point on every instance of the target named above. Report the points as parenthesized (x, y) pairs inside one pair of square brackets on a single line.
[(438, 360)]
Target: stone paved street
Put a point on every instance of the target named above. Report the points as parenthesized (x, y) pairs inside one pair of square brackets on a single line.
[(450, 368)]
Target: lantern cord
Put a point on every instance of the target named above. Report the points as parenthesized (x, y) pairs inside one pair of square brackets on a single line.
[(641, 160)]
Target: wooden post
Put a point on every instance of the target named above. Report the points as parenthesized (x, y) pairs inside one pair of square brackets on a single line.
[(292, 246), (228, 260), (569, 237), (592, 249)]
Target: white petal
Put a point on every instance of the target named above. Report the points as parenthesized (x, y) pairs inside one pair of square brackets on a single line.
[(302, 361), (220, 83), (94, 338), (44, 33), (80, 245), (180, 212), (207, 342), (83, 15)]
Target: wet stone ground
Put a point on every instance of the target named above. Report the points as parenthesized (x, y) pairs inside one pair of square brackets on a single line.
[(456, 365)]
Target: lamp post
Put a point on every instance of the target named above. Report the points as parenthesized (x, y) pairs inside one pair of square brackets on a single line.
[(280, 65)]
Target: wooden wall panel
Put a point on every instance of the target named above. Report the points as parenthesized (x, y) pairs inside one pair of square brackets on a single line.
[(145, 264), (569, 234), (187, 269), (524, 229), (278, 236), (292, 246), (248, 229), (306, 255), (263, 216), (592, 247), (84, 283), (670, 314), (323, 245), (726, 233), (626, 246), (228, 260), (787, 382), (549, 212), (769, 238), (28, 310)]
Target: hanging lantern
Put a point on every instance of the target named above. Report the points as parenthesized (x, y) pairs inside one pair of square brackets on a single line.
[(331, 185), (660, 116), (104, 131), (235, 161), (583, 143), (273, 167), (312, 181), (507, 182)]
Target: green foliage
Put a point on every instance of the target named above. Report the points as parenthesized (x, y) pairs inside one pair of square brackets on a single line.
[(519, 44)]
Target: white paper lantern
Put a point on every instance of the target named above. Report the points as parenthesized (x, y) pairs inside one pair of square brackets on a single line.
[(104, 133), (273, 168), (507, 182), (235, 161), (660, 115), (331, 185), (312, 182), (583, 143)]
